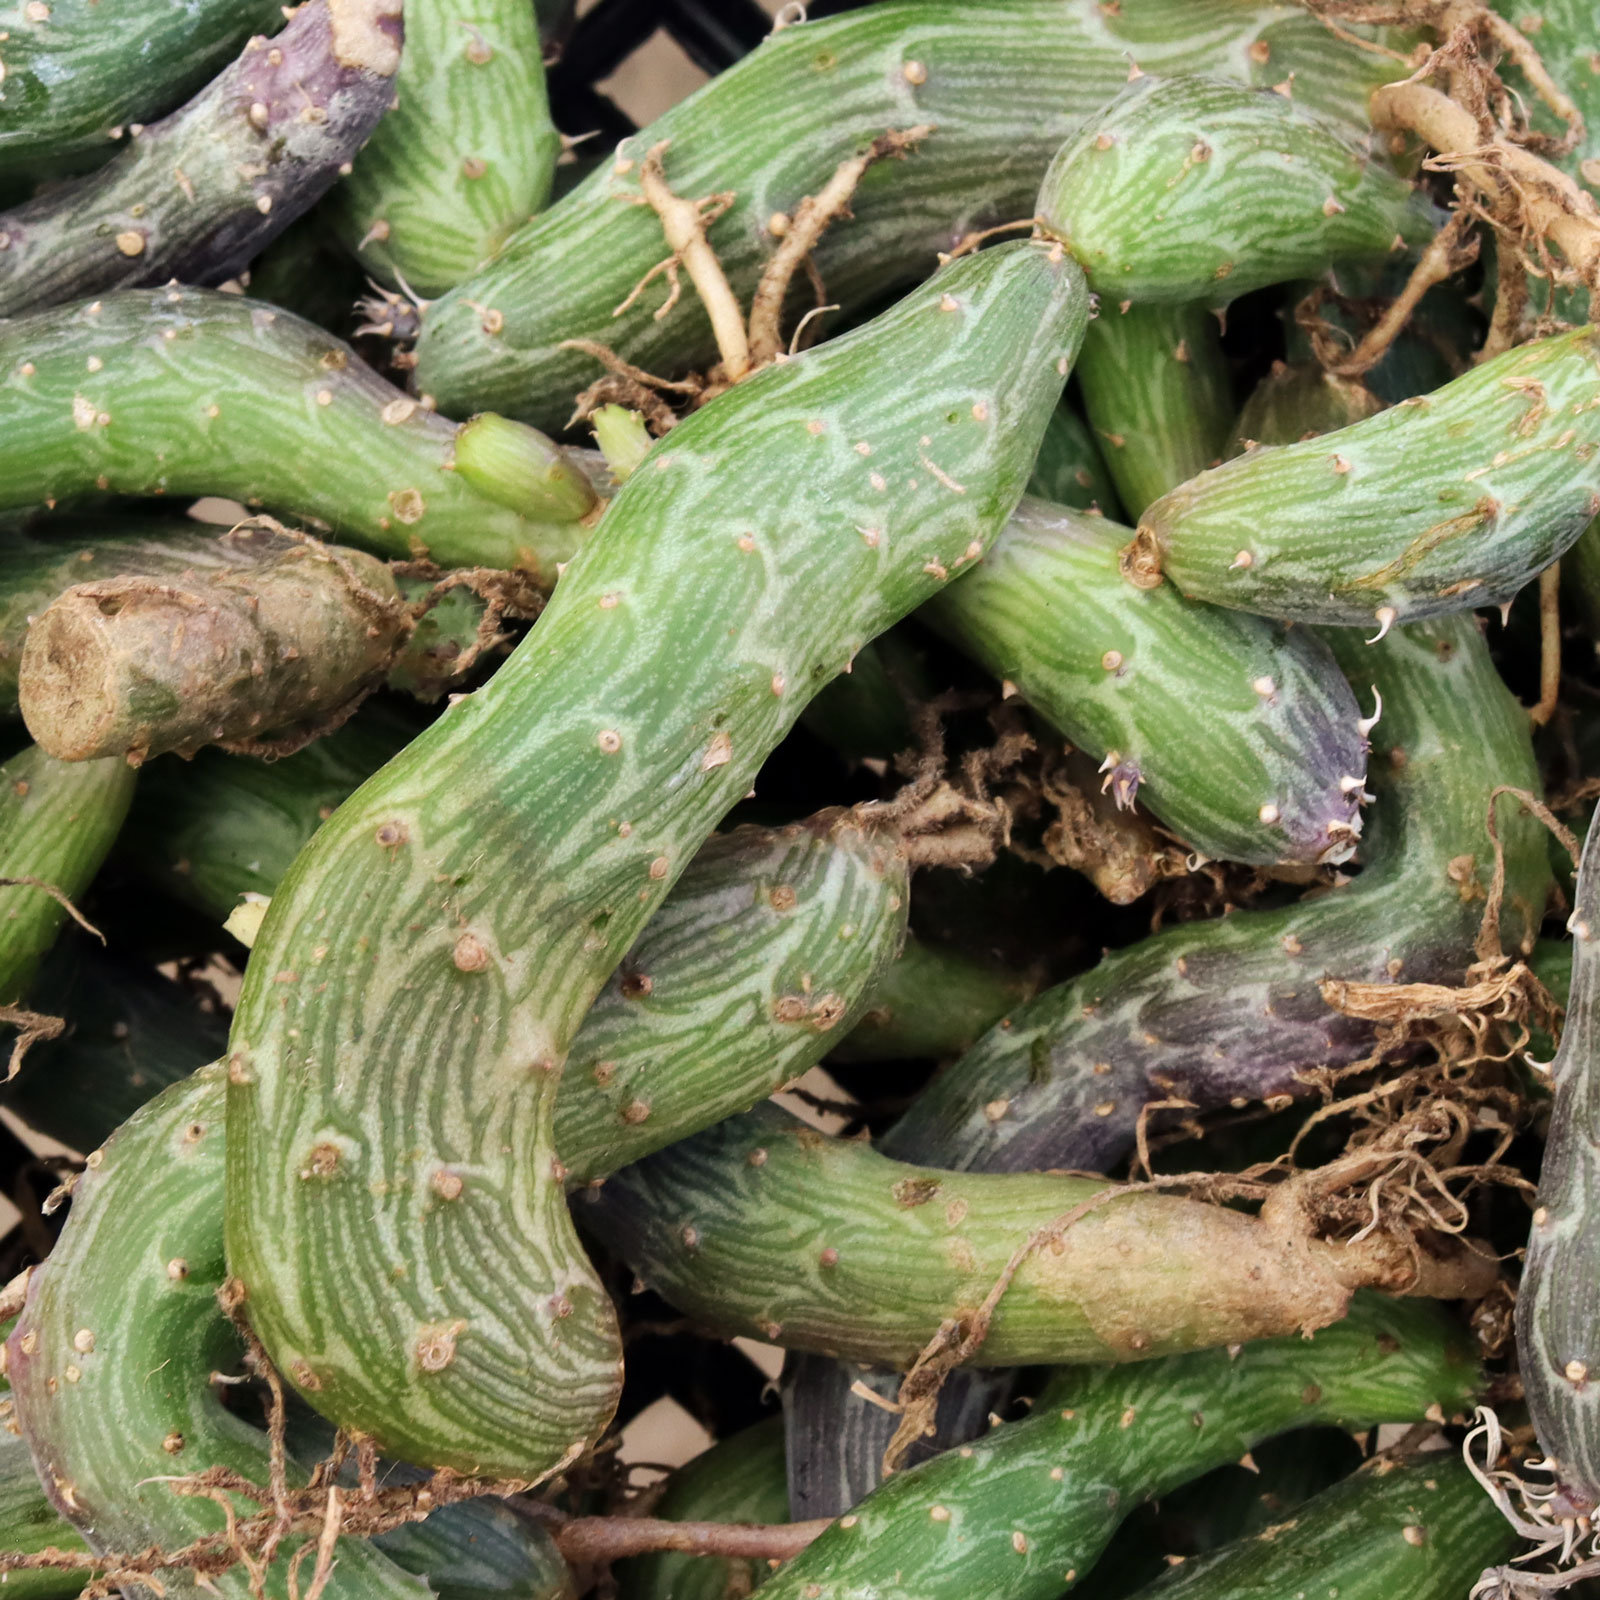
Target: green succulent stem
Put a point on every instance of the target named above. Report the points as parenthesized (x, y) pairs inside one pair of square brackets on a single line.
[(1557, 1339), (410, 1002), (189, 392), (764, 1228), (196, 195), (1003, 84), (465, 158), (125, 1323), (1234, 1007), (1155, 387), (77, 78), (932, 1002), (1194, 189), (58, 820), (1026, 1509), (1423, 1529), (739, 1479), (1334, 530), (1241, 736)]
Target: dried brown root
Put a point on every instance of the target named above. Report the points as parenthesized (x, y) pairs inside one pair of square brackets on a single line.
[(506, 596), (1112, 845), (954, 821), (684, 222), (1549, 646), (968, 242), (598, 1541), (1488, 947), (1479, 131), (35, 1026), (1447, 253), (32, 1027), (812, 218), (744, 347), (1542, 204), (1445, 17), (615, 389), (630, 386)]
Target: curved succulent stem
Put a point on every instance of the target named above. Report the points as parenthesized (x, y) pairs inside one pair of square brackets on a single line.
[(185, 391), (197, 194)]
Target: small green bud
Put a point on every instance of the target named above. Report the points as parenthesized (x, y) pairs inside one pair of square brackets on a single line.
[(519, 467), (623, 439)]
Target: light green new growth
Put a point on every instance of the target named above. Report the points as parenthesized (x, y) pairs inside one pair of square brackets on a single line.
[(467, 155), (623, 439), (519, 468)]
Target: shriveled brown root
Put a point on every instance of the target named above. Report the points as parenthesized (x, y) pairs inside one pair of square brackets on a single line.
[(1489, 29), (1479, 130), (631, 386), (32, 1027), (615, 389), (1448, 252), (744, 346), (963, 819), (1541, 206), (1111, 844), (812, 218), (1549, 646), (506, 596), (684, 223), (598, 1541), (969, 242)]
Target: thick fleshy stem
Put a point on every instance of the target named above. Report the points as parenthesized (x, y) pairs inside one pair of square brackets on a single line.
[(198, 194), (278, 637)]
